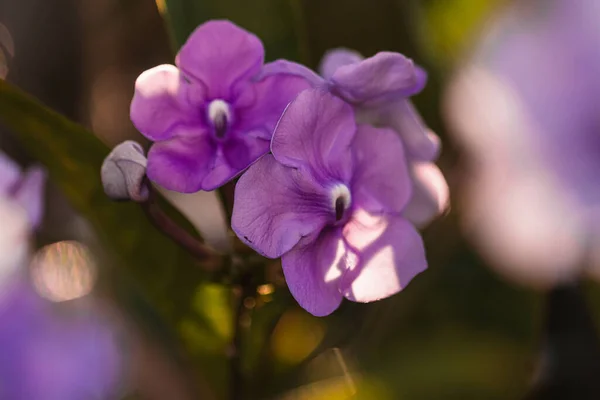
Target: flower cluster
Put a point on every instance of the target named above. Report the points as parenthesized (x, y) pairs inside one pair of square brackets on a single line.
[(336, 170)]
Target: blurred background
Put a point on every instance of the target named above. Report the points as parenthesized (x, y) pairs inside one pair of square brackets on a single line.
[(508, 306)]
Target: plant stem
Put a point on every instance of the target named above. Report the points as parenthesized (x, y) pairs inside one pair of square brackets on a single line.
[(170, 228), (245, 289), (570, 356)]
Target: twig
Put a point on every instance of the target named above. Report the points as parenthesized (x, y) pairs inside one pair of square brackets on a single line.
[(570, 356), (246, 289), (171, 229)]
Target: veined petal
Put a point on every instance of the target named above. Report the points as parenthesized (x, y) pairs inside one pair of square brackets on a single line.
[(431, 195), (221, 54), (311, 271), (336, 58), (390, 253), (315, 133), (265, 101), (275, 207), (163, 101), (379, 78), (219, 173), (181, 163), (243, 150), (381, 181)]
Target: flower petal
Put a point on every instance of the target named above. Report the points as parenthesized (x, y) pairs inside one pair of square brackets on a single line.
[(9, 174), (376, 79), (181, 163), (30, 194), (315, 133), (275, 207), (421, 143), (286, 67), (219, 174), (391, 253), (381, 181), (431, 195), (163, 101), (267, 99), (14, 243), (422, 77), (221, 54), (307, 269), (243, 150), (336, 58)]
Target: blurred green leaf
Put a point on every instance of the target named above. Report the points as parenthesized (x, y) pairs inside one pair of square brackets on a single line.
[(279, 23), (165, 274), (451, 26)]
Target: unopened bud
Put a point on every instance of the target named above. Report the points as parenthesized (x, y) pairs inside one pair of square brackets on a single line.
[(123, 173)]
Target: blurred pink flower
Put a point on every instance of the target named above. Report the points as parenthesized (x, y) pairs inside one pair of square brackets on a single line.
[(525, 107)]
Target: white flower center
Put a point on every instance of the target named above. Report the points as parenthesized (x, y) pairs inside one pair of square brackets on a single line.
[(219, 114), (340, 200)]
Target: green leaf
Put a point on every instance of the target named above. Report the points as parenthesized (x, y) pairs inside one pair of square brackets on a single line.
[(165, 274), (279, 23)]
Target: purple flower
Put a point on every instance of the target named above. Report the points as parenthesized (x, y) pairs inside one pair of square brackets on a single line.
[(329, 202), (526, 107), (379, 88), (48, 355), (213, 114), (21, 204), (24, 188)]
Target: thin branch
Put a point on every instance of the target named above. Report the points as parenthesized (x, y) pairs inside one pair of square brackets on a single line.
[(246, 289), (171, 229)]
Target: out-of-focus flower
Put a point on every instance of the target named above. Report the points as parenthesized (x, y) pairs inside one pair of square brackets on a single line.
[(47, 355), (328, 200), (24, 188), (525, 107), (14, 239), (123, 173), (21, 208), (213, 114), (379, 88)]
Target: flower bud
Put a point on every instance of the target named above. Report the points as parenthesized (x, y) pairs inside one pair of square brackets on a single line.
[(123, 173)]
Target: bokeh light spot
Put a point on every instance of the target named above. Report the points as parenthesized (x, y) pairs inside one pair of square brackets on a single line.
[(296, 336), (63, 271)]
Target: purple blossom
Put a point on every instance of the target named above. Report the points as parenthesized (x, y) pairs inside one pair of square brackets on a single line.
[(213, 114), (329, 202), (47, 355), (23, 187), (525, 105), (21, 205), (379, 88)]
